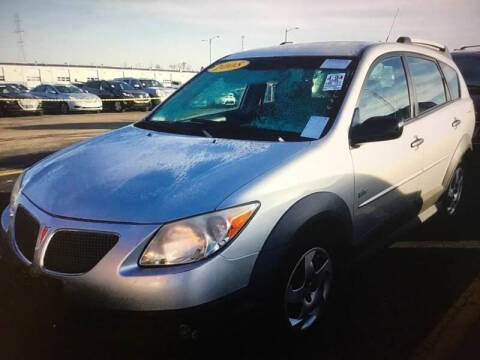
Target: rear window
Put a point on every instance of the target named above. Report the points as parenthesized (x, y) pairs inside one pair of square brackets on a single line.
[(427, 82), (452, 80)]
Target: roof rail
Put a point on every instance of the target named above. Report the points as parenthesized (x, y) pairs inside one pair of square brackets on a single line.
[(468, 47), (421, 42)]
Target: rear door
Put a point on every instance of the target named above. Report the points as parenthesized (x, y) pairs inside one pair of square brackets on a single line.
[(387, 185), (435, 107)]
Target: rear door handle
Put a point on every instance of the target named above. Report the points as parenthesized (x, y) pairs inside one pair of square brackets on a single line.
[(456, 122), (416, 143)]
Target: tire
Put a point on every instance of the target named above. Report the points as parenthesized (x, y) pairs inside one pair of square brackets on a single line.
[(301, 298), (39, 113), (147, 108), (118, 107), (64, 109), (452, 201)]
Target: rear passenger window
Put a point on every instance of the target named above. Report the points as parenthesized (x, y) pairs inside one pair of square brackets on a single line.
[(385, 93), (427, 82), (452, 81)]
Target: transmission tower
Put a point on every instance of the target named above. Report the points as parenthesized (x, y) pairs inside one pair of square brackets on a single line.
[(19, 31)]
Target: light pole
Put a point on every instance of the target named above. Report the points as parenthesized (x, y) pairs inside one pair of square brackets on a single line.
[(287, 30), (210, 45), (243, 39)]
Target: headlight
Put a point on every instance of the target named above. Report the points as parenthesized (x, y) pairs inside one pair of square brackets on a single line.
[(127, 94), (195, 238), (15, 194)]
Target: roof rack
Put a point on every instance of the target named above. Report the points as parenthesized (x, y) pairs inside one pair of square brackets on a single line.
[(421, 42), (468, 47)]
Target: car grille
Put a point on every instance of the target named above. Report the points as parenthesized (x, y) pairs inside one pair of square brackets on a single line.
[(26, 232), (76, 252)]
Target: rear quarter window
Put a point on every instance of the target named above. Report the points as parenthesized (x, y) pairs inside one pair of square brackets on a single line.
[(451, 77), (427, 82)]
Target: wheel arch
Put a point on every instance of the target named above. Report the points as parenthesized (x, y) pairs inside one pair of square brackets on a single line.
[(322, 209), (463, 152)]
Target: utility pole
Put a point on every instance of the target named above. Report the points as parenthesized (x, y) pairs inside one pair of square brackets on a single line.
[(19, 31), (287, 30), (210, 45), (243, 39)]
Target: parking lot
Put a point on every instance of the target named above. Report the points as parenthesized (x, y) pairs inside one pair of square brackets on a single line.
[(419, 299)]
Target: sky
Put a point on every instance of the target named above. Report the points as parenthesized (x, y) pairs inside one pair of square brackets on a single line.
[(164, 32)]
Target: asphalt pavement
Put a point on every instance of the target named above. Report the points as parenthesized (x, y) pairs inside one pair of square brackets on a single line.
[(419, 299)]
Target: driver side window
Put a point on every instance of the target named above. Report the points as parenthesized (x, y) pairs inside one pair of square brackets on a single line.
[(385, 93)]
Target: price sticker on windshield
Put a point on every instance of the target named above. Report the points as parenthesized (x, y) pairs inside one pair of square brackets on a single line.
[(229, 66), (334, 82)]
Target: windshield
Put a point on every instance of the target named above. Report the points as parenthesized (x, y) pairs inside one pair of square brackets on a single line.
[(274, 99), (469, 65), (120, 85), (67, 89), (150, 83)]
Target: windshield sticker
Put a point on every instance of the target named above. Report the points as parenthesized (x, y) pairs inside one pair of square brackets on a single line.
[(314, 127), (338, 64), (229, 66), (334, 82)]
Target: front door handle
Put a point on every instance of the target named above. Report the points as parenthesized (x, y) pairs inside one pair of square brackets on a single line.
[(456, 122), (416, 143)]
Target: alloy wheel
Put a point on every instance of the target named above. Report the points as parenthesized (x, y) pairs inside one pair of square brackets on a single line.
[(117, 106), (454, 192), (308, 289), (63, 108)]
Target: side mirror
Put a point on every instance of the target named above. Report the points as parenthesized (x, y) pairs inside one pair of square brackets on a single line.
[(379, 128)]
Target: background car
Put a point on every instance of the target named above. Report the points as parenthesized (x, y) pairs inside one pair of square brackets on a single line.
[(28, 105), (20, 87), (154, 88), (70, 97), (468, 61), (118, 95)]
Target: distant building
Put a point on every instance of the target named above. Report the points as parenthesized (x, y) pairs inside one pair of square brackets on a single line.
[(33, 74)]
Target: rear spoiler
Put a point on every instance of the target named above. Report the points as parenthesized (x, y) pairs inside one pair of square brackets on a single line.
[(426, 43)]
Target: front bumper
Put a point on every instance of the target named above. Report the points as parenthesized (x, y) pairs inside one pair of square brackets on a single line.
[(117, 282), (85, 106)]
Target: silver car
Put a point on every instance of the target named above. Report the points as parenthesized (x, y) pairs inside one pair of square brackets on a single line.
[(66, 98), (329, 146)]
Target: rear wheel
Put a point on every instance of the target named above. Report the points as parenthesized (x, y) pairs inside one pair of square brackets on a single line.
[(452, 201)]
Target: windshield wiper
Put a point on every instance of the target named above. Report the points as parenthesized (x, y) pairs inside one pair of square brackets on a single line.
[(176, 127)]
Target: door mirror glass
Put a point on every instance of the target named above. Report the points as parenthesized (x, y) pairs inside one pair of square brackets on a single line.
[(377, 128)]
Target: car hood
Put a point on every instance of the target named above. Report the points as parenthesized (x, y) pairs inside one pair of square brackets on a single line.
[(139, 176), (81, 96), (135, 92), (18, 95)]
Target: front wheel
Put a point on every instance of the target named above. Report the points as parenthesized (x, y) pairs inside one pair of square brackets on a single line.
[(64, 108), (308, 289), (117, 106)]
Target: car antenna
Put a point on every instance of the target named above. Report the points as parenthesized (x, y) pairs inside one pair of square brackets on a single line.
[(393, 23)]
